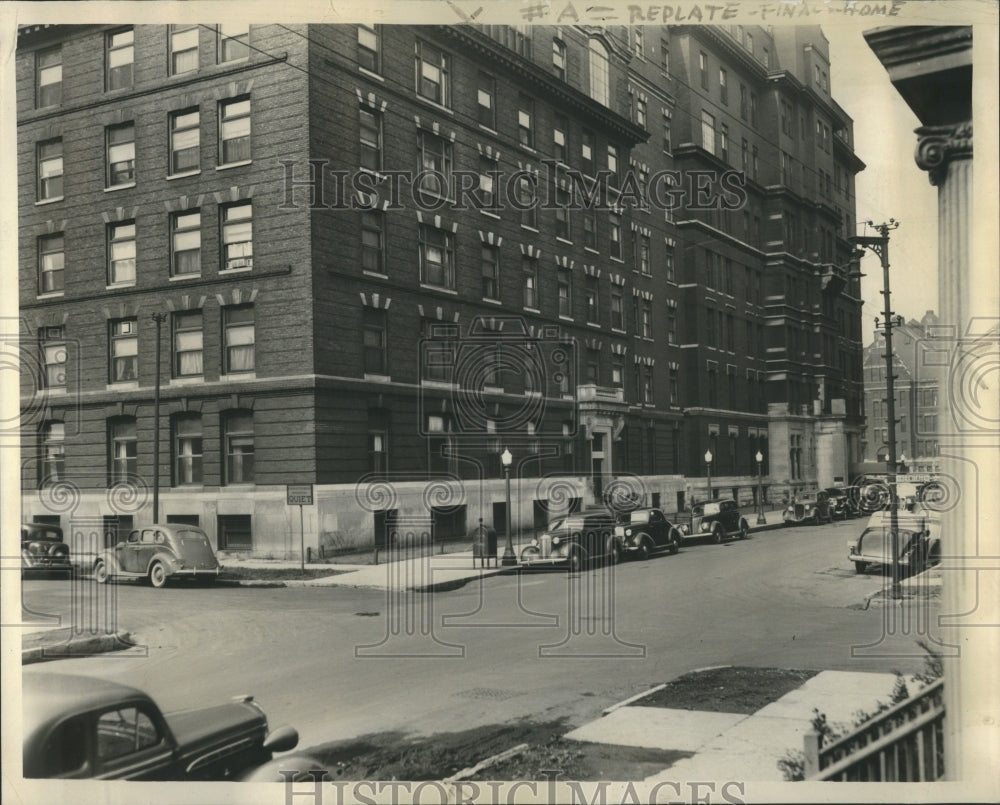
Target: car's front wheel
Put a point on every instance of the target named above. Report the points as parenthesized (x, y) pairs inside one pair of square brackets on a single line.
[(530, 554), (574, 561), (157, 574), (675, 541), (612, 549), (717, 534), (643, 550), (100, 572), (860, 567), (744, 529)]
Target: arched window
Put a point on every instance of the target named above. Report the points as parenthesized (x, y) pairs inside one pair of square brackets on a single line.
[(600, 83)]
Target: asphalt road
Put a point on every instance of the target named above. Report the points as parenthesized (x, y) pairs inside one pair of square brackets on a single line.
[(340, 662)]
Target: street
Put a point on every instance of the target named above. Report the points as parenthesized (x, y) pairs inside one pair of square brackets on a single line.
[(339, 662)]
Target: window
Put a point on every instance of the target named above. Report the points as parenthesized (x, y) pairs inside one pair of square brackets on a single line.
[(600, 83), (646, 318), (640, 112), (438, 355), (183, 48), (743, 101), (432, 74), (370, 127), (48, 77), (723, 86), (237, 236), (53, 452), (373, 242), (121, 154), (642, 258), (564, 285), (119, 57), (238, 339), (673, 387), (703, 69), (185, 141), (235, 532), (187, 449), (637, 40), (766, 57), (730, 333), (434, 164), (51, 263), (487, 113), (563, 223), (237, 428), (529, 277), (185, 243), (121, 253), (592, 300), (613, 163), (50, 170), (525, 121), (526, 202), (647, 384), (188, 344), (668, 264), (753, 168), (753, 108), (439, 444), (559, 139), (671, 326), (724, 142), (437, 257), (53, 347), (587, 146), (745, 157), (369, 47), (592, 366), (708, 132), (667, 146), (490, 260), (374, 341), (234, 131), (123, 358), (233, 42), (615, 238), (590, 228), (665, 56), (559, 58), (378, 442), (617, 309), (123, 449)]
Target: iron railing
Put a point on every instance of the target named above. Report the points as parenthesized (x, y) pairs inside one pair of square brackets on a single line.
[(903, 744)]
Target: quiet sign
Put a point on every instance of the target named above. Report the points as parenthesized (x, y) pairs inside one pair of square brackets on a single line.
[(299, 494)]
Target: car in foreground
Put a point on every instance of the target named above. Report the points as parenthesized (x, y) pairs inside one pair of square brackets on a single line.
[(813, 508), (841, 501), (643, 532), (574, 541), (78, 727), (158, 553), (43, 549), (717, 520), (919, 542)]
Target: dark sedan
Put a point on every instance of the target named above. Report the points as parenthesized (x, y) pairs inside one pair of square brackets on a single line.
[(574, 541), (80, 727), (643, 532), (42, 548)]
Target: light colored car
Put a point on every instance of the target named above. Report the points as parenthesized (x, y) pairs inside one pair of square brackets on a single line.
[(716, 520), (78, 727), (810, 508), (157, 553), (919, 541)]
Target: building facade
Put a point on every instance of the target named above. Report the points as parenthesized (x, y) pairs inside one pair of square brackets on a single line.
[(371, 258)]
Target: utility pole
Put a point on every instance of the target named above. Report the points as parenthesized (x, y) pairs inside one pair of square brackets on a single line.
[(880, 246), (159, 318)]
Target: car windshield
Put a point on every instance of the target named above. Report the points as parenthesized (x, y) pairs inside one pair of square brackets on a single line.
[(706, 508), (44, 533), (569, 523), (639, 517)]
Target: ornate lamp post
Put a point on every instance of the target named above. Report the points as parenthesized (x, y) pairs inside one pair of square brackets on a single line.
[(760, 488), (708, 468), (508, 552)]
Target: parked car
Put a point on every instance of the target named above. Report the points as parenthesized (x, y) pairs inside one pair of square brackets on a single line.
[(83, 727), (42, 548), (159, 552), (575, 540), (808, 507), (716, 519), (919, 541), (841, 501), (643, 532)]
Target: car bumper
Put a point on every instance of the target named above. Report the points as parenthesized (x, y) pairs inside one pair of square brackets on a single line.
[(193, 572), (46, 563)]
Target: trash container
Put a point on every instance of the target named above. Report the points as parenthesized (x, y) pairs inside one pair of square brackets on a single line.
[(484, 544)]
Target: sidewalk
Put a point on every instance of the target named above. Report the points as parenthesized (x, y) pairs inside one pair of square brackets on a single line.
[(734, 746)]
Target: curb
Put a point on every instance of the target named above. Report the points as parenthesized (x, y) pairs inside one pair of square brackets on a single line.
[(485, 764), (631, 699), (83, 647)]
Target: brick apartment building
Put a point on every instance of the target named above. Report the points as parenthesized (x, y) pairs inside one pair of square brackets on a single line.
[(917, 402), (323, 318)]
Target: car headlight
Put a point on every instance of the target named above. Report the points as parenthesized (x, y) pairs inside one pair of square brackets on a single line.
[(628, 532), (534, 542), (556, 540), (704, 526), (685, 529)]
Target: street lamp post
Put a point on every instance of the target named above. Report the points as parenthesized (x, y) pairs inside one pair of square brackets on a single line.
[(880, 246), (509, 558), (760, 488), (159, 318), (708, 468)]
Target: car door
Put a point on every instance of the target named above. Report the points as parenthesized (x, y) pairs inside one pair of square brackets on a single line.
[(125, 553), (730, 516), (658, 528), (131, 743), (148, 545)]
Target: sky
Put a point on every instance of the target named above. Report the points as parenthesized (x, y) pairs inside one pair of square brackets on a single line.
[(891, 186)]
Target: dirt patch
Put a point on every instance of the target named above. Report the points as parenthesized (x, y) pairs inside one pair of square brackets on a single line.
[(236, 573), (735, 689)]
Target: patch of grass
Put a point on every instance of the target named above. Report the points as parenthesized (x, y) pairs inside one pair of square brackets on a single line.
[(237, 573), (736, 689)]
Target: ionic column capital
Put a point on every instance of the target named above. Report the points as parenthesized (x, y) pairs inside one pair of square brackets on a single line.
[(939, 145)]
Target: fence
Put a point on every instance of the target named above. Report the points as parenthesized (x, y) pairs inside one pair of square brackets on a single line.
[(903, 744)]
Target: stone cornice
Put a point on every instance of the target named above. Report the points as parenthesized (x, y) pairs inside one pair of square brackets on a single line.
[(939, 145)]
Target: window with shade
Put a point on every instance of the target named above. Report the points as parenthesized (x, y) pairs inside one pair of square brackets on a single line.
[(121, 155), (124, 351), (237, 236), (233, 42), (600, 82), (234, 131), (53, 452), (49, 157), (374, 341), (51, 263), (52, 342), (238, 339), (370, 126), (48, 77), (119, 58), (373, 242), (185, 243), (123, 449), (433, 81), (238, 440), (121, 253), (187, 449), (185, 141), (369, 50), (188, 344), (183, 48)]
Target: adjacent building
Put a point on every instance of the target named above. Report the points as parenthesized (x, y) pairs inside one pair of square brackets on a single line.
[(370, 258)]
